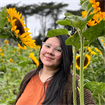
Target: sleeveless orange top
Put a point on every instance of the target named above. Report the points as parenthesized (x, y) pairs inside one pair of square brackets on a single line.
[(33, 92)]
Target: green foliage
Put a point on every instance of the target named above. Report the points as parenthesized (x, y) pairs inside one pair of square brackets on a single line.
[(95, 87), (75, 38), (94, 32), (4, 25), (99, 44), (82, 1), (12, 73), (94, 74), (57, 32), (3, 18)]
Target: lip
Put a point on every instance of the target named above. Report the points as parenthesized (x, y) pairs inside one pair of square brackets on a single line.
[(48, 58)]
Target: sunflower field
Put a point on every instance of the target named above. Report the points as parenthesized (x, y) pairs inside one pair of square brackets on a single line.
[(88, 51), (15, 62)]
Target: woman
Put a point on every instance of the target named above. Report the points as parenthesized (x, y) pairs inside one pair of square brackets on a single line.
[(51, 82)]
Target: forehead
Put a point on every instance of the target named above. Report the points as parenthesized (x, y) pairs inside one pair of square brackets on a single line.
[(53, 41)]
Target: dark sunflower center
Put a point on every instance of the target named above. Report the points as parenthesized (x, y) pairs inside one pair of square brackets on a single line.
[(78, 61), (102, 5), (19, 26), (86, 61)]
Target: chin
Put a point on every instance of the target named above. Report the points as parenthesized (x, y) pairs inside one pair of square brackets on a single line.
[(48, 65)]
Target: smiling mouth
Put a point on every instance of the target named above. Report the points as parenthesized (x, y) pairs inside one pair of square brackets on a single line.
[(48, 58)]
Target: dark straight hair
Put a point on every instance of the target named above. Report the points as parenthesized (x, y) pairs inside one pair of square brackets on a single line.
[(55, 88)]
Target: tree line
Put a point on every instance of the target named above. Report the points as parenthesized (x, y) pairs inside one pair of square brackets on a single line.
[(44, 11)]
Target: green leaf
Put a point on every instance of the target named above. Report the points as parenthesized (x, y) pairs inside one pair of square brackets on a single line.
[(3, 36), (84, 5), (89, 6), (94, 31), (56, 32), (101, 77), (23, 63), (21, 57), (63, 22), (5, 33), (73, 40), (95, 87), (97, 43), (3, 17), (82, 1), (15, 68), (75, 21)]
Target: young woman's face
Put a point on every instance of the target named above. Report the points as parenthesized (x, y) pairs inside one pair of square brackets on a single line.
[(51, 53)]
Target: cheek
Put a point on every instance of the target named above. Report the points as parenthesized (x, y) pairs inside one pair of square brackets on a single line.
[(42, 52), (59, 59)]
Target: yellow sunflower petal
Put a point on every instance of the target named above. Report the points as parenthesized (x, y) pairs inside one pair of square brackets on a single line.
[(92, 1), (84, 14)]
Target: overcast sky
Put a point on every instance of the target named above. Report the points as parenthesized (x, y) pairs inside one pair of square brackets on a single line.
[(32, 25)]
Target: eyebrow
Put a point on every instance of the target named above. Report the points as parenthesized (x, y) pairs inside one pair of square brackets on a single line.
[(50, 44)]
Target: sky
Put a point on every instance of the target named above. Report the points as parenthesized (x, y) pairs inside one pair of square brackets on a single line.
[(33, 22)]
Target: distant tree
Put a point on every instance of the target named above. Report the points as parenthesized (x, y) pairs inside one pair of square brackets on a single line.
[(76, 12), (48, 14), (38, 39), (55, 11), (48, 10)]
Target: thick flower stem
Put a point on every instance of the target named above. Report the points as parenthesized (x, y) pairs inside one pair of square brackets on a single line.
[(81, 71), (104, 59), (99, 99), (74, 77)]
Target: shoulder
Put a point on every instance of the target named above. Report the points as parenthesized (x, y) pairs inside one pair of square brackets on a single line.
[(70, 78), (27, 77), (30, 73)]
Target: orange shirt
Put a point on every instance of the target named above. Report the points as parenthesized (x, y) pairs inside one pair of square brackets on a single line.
[(33, 92)]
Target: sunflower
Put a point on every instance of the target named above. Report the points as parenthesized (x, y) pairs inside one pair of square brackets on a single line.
[(86, 62), (99, 10), (102, 40), (1, 50), (37, 47), (1, 54), (6, 42), (34, 59), (22, 47), (10, 60), (18, 27), (98, 50), (93, 53)]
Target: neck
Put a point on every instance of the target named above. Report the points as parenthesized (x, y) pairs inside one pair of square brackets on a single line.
[(47, 73)]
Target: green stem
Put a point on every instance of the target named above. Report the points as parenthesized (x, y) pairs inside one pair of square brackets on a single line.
[(93, 72), (103, 98), (104, 58), (74, 76), (88, 13), (99, 99), (81, 72)]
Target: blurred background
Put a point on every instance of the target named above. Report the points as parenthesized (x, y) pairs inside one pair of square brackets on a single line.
[(41, 16)]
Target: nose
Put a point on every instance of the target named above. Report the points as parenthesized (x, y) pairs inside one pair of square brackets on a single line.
[(50, 51)]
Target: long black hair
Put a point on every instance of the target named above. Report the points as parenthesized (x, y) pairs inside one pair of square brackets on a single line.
[(57, 84)]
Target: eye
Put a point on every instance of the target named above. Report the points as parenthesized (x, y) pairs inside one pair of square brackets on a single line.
[(58, 49), (47, 45)]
